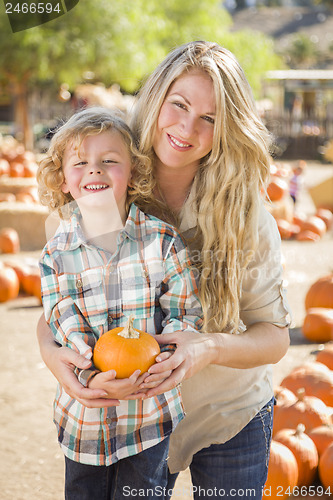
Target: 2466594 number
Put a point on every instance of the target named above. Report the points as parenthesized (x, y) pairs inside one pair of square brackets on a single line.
[(32, 8), (298, 491)]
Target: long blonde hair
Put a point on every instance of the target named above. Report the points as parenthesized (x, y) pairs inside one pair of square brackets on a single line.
[(230, 176)]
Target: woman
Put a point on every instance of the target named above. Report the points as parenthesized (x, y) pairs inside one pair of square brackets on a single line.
[(195, 118)]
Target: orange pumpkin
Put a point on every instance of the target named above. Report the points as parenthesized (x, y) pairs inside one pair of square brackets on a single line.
[(276, 189), (24, 198), (283, 397), (16, 169), (314, 224), (21, 270), (307, 410), (318, 324), (316, 380), (4, 167), (284, 228), (326, 215), (31, 282), (325, 355), (322, 437), (325, 468), (9, 240), (282, 472), (304, 450), (9, 284), (8, 197), (306, 235), (320, 293), (299, 218), (125, 350)]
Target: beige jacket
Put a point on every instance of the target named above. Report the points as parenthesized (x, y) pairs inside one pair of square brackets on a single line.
[(220, 401)]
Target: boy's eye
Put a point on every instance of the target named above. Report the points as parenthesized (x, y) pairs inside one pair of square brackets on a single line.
[(109, 161), (80, 163)]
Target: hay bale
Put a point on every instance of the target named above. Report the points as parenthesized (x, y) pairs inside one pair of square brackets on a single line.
[(29, 222)]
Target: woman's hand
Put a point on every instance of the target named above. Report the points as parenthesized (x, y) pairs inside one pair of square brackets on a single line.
[(262, 343), (194, 352), (62, 361)]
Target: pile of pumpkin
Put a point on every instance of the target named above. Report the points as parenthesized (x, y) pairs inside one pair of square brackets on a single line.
[(292, 225), (16, 162), (302, 446), (318, 321), (17, 276)]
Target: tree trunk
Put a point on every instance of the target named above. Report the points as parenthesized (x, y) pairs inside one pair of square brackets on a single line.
[(23, 130)]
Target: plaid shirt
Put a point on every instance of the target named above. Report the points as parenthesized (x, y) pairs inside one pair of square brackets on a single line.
[(87, 291)]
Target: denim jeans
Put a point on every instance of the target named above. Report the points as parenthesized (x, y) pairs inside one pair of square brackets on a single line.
[(142, 475), (236, 469)]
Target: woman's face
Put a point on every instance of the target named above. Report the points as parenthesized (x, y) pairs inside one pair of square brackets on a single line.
[(185, 125)]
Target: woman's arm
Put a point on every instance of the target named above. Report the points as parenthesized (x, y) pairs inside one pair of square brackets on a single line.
[(62, 361), (262, 343)]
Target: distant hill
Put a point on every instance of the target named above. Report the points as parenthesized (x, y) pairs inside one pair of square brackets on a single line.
[(281, 23)]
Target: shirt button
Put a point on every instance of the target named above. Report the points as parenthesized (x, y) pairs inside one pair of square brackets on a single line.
[(112, 268), (110, 318), (145, 274), (108, 420), (79, 284)]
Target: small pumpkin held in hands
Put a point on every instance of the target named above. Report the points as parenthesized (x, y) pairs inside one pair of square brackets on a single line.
[(125, 349)]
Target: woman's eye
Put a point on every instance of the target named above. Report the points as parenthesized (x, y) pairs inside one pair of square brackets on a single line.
[(209, 119), (179, 105)]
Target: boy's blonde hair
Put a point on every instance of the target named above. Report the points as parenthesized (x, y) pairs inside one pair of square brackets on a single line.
[(229, 177), (89, 121)]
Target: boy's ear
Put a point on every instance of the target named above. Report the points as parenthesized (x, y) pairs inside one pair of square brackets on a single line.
[(64, 188)]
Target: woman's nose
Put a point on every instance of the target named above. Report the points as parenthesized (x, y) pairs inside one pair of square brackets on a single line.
[(188, 126)]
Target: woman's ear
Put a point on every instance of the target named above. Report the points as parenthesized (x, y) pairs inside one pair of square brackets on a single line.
[(130, 182)]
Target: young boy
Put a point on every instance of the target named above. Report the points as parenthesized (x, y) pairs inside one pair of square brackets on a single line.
[(106, 262)]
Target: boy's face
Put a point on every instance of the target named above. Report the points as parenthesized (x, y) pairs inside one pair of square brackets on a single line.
[(102, 163)]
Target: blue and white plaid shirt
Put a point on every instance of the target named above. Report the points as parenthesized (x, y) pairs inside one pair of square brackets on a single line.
[(86, 291)]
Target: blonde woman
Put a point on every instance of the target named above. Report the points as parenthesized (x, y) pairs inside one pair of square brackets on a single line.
[(196, 120)]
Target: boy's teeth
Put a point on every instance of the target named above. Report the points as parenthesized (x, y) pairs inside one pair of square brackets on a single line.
[(97, 186)]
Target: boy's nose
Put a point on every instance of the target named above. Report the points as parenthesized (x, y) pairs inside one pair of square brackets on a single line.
[(95, 170)]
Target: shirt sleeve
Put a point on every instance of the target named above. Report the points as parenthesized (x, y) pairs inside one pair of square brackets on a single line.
[(68, 325), (179, 300), (263, 296)]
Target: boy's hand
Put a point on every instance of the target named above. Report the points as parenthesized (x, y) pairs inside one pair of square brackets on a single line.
[(118, 388)]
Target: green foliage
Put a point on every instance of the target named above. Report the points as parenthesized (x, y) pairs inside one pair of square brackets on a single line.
[(122, 42), (302, 51)]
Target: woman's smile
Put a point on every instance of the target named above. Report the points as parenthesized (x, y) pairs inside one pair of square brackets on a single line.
[(185, 126)]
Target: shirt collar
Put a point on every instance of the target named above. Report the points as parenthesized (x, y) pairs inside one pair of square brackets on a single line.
[(71, 236)]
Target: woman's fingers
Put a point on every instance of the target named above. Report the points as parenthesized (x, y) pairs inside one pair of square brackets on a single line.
[(171, 382), (74, 358)]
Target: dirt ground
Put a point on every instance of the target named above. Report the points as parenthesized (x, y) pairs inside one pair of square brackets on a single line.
[(31, 462)]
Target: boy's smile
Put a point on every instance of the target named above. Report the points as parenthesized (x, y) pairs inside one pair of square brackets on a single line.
[(100, 163)]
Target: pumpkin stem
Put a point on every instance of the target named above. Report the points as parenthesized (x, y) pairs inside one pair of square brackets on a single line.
[(300, 429), (129, 332), (301, 393)]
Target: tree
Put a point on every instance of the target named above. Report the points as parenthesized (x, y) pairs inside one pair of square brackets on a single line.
[(120, 42), (301, 51)]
